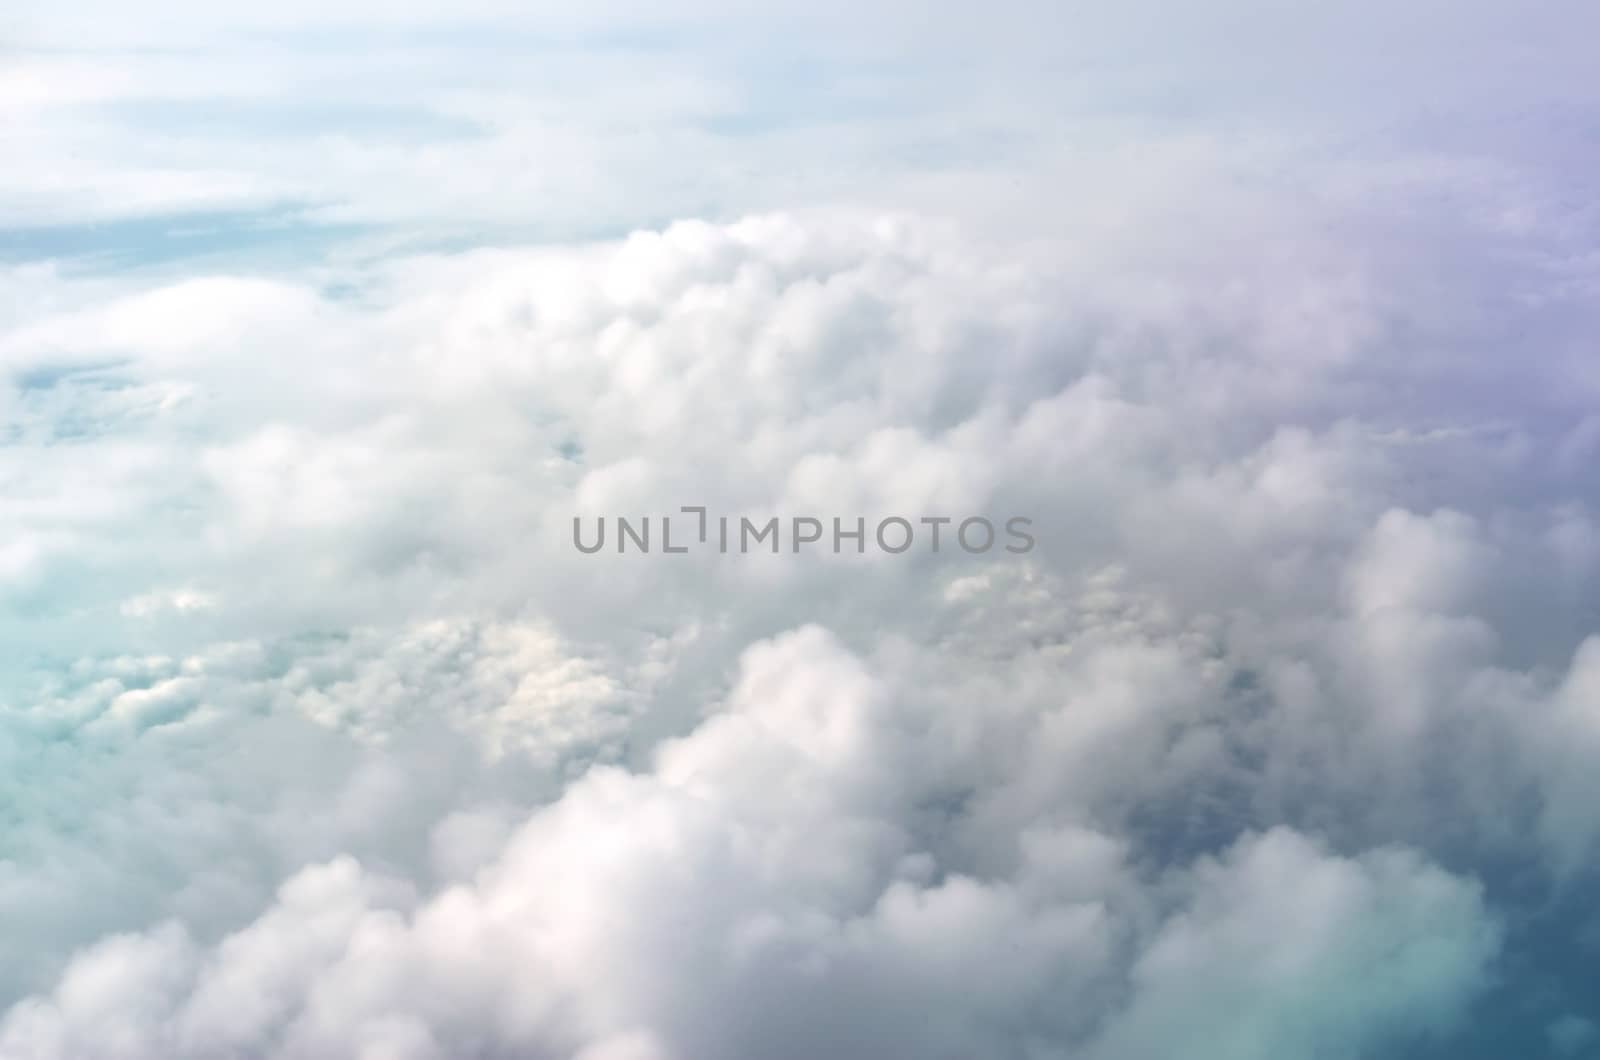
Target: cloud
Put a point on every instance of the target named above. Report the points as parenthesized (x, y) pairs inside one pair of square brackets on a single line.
[(319, 738), (448, 119), (374, 489), (762, 888), (1308, 955)]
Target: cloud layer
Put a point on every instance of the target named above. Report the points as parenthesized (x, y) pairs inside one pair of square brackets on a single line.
[(319, 738)]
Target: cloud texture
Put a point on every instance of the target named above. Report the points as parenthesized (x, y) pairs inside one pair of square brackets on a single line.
[(318, 738)]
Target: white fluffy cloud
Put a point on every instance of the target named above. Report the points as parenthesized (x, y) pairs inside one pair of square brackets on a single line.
[(1280, 655), (764, 888), (319, 738)]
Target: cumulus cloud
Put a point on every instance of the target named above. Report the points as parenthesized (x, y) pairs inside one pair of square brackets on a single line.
[(319, 738), (1253, 653), (764, 889)]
